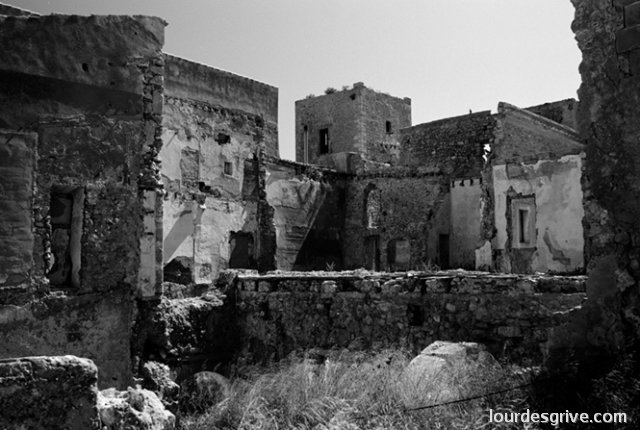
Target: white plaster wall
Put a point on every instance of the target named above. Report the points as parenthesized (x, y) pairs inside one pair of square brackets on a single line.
[(465, 222), (296, 203), (212, 234), (192, 230), (559, 211)]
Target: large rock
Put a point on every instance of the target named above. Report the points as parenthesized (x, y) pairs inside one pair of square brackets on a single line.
[(48, 393), (448, 371), (134, 409), (157, 378), (202, 390)]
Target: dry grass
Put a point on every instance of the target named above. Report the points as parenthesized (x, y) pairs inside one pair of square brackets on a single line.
[(347, 392)]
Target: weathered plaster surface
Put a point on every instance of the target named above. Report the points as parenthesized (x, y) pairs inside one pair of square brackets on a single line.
[(559, 212), (466, 214), (188, 80), (296, 199), (95, 104), (17, 169), (203, 204)]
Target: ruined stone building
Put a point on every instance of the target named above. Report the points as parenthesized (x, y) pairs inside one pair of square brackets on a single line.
[(491, 191), (129, 176)]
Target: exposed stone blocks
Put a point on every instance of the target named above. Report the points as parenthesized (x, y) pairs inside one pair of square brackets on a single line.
[(358, 119), (95, 103), (413, 207), (453, 145), (48, 393), (511, 313)]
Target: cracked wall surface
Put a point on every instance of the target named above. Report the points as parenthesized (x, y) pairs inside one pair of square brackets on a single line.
[(213, 141), (558, 219), (91, 107)]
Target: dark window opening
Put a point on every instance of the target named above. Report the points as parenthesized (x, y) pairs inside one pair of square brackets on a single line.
[(324, 141), (352, 96), (388, 127), (372, 253), (222, 138), (522, 216), (228, 168), (415, 315), (443, 245), (241, 255), (523, 220), (398, 254), (64, 256), (178, 271)]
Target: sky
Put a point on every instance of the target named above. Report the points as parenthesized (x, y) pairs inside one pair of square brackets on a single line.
[(448, 56)]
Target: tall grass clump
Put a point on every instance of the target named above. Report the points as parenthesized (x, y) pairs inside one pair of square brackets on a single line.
[(348, 391)]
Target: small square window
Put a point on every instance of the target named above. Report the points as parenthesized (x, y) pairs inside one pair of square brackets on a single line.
[(228, 168)]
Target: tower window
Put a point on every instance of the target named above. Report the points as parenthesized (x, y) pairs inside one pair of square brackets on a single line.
[(324, 141), (388, 127)]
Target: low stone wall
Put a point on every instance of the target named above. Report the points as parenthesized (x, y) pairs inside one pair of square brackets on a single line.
[(48, 393), (511, 314)]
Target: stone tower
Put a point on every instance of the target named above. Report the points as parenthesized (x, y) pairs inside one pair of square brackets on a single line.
[(355, 120)]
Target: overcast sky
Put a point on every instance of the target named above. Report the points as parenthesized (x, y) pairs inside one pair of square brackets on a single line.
[(449, 56)]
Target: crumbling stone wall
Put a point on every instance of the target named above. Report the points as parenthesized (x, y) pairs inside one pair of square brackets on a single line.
[(217, 88), (455, 145), (358, 119), (537, 160), (563, 112), (277, 314), (95, 108), (410, 206), (609, 122), (211, 169), (49, 393)]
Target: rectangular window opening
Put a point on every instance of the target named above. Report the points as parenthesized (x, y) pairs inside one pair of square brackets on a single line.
[(324, 141), (388, 127), (228, 168), (64, 256), (523, 221), (223, 138)]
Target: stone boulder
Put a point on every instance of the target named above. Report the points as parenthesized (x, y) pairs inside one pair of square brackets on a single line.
[(134, 409), (202, 390), (48, 393), (448, 371), (156, 377)]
